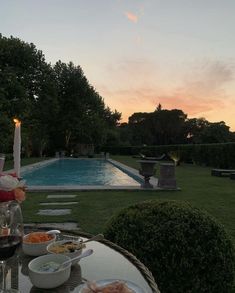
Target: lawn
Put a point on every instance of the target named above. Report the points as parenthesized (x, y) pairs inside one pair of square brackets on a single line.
[(25, 161), (212, 194)]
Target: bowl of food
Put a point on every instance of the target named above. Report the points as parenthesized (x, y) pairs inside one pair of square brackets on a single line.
[(35, 243), (45, 271), (70, 248)]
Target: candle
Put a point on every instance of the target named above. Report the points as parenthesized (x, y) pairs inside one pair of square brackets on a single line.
[(17, 147)]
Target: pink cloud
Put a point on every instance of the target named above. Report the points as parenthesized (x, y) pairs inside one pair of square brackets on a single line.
[(132, 17), (140, 88), (191, 104)]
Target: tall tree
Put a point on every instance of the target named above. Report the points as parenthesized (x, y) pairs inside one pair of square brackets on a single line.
[(23, 84), (194, 127), (159, 127), (83, 116), (139, 129), (215, 132)]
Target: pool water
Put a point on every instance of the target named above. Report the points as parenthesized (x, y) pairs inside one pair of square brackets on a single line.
[(66, 172)]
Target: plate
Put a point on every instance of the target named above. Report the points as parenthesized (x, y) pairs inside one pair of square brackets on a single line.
[(129, 284)]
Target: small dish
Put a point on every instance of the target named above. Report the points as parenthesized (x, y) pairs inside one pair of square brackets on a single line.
[(47, 279), (30, 247), (70, 248), (131, 287)]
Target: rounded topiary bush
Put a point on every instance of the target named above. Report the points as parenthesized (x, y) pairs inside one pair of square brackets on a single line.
[(185, 248)]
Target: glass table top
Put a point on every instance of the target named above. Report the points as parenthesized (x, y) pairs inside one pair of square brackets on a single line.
[(104, 263)]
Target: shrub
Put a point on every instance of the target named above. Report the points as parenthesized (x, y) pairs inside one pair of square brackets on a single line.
[(185, 248)]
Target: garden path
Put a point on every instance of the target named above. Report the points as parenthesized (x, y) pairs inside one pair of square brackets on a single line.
[(46, 209)]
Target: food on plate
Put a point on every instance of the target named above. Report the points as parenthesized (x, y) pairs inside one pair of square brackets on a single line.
[(36, 237), (66, 247), (114, 287)]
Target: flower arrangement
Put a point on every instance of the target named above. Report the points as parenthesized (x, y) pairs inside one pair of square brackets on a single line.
[(10, 182), (11, 188)]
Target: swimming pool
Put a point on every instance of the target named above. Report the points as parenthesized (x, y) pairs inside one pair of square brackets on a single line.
[(79, 172)]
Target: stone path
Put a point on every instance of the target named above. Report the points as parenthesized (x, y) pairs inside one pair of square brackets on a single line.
[(58, 203), (55, 212), (62, 226), (50, 212), (62, 196)]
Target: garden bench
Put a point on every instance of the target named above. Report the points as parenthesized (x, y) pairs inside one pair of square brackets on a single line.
[(221, 172)]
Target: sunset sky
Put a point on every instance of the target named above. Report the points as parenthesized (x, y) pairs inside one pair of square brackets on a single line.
[(139, 53)]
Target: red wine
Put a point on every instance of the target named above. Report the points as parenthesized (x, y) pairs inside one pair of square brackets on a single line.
[(8, 245)]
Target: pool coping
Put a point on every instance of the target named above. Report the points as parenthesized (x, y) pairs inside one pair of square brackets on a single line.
[(126, 169)]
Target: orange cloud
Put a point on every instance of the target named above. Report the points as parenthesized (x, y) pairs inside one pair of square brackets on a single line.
[(138, 86), (191, 104), (132, 17)]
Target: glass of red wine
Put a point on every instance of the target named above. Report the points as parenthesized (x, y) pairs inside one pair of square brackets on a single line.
[(11, 233)]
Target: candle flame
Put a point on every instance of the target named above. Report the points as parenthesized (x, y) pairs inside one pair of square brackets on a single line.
[(17, 121)]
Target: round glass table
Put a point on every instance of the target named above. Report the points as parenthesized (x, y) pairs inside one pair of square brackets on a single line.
[(108, 261)]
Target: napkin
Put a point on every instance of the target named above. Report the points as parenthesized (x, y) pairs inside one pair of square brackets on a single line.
[(8, 183)]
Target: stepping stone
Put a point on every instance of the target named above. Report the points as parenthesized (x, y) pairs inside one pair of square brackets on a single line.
[(61, 196), (54, 212), (58, 203), (62, 226)]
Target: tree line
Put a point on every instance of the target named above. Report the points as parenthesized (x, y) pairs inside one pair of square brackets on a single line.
[(57, 105), (167, 127), (59, 109)]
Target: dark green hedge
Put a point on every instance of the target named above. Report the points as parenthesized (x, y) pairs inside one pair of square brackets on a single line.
[(122, 150), (219, 155), (185, 248)]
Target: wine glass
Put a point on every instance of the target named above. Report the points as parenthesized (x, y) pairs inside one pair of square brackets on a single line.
[(11, 233)]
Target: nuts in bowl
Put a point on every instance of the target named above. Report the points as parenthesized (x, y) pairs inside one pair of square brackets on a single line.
[(70, 248), (35, 243)]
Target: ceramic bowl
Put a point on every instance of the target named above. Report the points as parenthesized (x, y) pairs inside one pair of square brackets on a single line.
[(48, 280), (70, 248), (36, 249)]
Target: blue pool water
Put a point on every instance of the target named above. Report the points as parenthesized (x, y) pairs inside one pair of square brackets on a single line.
[(67, 172)]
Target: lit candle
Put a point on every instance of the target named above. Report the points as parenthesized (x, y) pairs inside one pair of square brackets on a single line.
[(17, 147)]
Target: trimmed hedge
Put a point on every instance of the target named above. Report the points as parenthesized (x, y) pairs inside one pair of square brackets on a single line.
[(185, 248), (218, 155)]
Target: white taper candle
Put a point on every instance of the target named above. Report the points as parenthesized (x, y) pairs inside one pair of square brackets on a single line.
[(17, 147)]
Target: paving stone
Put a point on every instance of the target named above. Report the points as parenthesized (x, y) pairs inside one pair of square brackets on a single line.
[(58, 203), (54, 212), (62, 226), (61, 196)]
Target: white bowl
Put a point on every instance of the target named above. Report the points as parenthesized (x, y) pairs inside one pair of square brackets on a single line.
[(47, 280), (69, 254), (36, 249)]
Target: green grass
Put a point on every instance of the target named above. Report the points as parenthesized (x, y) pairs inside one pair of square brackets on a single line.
[(212, 194), (26, 161)]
